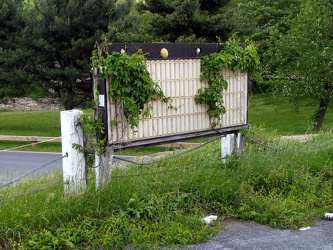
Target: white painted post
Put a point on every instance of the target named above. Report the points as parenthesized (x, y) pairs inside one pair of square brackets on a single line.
[(98, 161), (240, 144), (74, 171), (232, 144), (103, 167), (227, 146)]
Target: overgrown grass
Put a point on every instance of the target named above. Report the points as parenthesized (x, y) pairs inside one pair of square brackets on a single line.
[(288, 185)]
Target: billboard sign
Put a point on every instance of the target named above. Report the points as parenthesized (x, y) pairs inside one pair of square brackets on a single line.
[(178, 75)]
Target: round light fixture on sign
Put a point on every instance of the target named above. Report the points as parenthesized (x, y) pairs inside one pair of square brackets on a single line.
[(164, 53)]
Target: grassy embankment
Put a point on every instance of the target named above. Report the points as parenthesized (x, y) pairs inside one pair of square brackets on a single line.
[(287, 185)]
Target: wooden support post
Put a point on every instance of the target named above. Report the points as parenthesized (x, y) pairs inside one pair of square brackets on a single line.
[(74, 170)]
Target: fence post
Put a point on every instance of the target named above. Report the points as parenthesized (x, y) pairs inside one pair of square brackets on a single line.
[(227, 146), (240, 144), (232, 144), (74, 169), (103, 167)]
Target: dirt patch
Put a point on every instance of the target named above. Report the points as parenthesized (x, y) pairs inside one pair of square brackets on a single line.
[(299, 137)]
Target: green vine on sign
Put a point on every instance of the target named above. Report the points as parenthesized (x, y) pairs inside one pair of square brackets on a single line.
[(233, 56), (131, 84)]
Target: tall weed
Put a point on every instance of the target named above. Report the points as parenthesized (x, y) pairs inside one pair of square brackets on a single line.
[(287, 184)]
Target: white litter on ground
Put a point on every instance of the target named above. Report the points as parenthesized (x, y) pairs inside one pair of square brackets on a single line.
[(209, 219), (329, 216)]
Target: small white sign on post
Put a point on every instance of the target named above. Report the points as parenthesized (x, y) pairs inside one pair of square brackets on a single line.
[(101, 100), (74, 167)]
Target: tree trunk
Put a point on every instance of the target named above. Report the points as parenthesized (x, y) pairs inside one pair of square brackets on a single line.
[(320, 115), (323, 105)]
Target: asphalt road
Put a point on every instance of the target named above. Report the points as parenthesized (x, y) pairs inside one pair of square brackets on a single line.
[(249, 235), (16, 164)]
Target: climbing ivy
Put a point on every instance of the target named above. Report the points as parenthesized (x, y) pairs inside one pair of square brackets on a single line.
[(131, 82), (94, 140), (234, 56)]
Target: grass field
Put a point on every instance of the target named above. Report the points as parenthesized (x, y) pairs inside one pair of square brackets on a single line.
[(37, 123), (276, 113)]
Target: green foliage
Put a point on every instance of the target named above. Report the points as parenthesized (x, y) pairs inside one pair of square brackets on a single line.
[(256, 18), (231, 56), (173, 19), (94, 139), (35, 123), (13, 80), (289, 186), (276, 113), (130, 83), (57, 41), (130, 25), (10, 20), (301, 58)]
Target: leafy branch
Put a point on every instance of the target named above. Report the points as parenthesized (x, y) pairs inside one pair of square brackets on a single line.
[(94, 142), (131, 83), (236, 58)]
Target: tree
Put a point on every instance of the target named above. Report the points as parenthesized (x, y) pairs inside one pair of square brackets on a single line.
[(187, 20), (301, 59), (12, 78), (58, 39), (255, 19), (129, 25), (8, 21)]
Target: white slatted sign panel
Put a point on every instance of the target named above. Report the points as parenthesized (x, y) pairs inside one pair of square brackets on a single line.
[(180, 79)]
